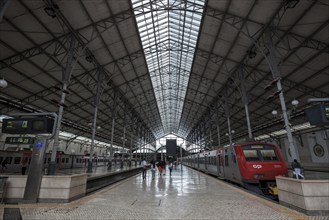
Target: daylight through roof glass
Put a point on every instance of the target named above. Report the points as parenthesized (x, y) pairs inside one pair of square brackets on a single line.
[(169, 32)]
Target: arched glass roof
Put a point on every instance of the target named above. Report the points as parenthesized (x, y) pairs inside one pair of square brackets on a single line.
[(169, 39)]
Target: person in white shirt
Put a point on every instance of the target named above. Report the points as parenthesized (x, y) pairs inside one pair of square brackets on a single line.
[(170, 167), (144, 163)]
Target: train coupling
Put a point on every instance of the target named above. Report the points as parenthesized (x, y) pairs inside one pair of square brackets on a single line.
[(273, 190)]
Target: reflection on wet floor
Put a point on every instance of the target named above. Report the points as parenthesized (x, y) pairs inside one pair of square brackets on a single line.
[(187, 194), (96, 170)]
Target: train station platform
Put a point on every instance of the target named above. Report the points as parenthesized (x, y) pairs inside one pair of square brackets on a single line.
[(187, 194)]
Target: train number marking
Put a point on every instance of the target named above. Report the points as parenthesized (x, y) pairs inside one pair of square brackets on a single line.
[(257, 166)]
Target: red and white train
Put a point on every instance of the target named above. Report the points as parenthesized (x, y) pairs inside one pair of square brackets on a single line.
[(253, 165), (63, 161)]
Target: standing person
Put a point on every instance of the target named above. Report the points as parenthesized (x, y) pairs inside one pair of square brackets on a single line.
[(297, 169), (160, 168), (170, 167), (153, 169), (144, 168), (24, 165), (4, 165), (163, 166)]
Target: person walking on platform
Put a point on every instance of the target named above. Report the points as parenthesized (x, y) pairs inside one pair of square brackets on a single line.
[(160, 168), (297, 169), (163, 166), (24, 164), (144, 168), (170, 167), (153, 169), (4, 165)]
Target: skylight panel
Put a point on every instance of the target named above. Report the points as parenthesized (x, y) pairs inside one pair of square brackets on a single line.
[(169, 34)]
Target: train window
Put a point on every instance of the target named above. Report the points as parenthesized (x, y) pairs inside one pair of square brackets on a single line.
[(45, 160), (63, 160), (9, 159), (67, 160), (17, 160), (226, 158), (48, 159), (269, 155), (251, 155)]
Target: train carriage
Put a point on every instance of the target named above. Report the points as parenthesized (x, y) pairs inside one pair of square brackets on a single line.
[(253, 165)]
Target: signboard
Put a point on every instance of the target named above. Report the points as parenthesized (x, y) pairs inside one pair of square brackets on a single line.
[(19, 140), (318, 115), (171, 147), (36, 125)]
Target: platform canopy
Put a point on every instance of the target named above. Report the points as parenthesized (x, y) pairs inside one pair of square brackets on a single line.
[(159, 67)]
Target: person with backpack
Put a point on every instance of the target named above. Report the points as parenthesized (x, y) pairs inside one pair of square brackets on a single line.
[(297, 169)]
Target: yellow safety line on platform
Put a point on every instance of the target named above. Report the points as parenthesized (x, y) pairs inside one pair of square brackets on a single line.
[(281, 209)]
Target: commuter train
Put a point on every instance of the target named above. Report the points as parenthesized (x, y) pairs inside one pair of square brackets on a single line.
[(63, 161), (253, 165)]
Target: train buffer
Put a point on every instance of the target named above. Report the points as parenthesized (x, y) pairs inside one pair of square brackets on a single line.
[(3, 180), (273, 190)]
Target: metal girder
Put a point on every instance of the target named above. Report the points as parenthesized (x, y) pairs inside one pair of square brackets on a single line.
[(106, 23), (236, 21)]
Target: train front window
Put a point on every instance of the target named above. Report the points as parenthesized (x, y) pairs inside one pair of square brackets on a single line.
[(269, 155), (251, 155), (260, 153)]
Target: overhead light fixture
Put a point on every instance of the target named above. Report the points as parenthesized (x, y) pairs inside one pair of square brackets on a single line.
[(295, 102), (291, 3), (50, 11), (3, 83)]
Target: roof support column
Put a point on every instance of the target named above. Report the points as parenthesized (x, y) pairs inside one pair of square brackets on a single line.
[(138, 141), (245, 100), (218, 122), (66, 81), (277, 76), (124, 128), (210, 137), (199, 136), (227, 112), (112, 129), (99, 91)]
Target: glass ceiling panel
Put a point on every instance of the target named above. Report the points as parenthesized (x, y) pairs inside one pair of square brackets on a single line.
[(169, 31)]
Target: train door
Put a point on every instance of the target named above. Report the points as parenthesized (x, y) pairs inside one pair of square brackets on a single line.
[(219, 163), (206, 159), (235, 166), (226, 163)]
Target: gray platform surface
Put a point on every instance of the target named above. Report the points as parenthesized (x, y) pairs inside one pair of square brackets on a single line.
[(187, 194)]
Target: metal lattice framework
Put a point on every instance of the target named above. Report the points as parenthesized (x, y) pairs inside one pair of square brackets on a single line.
[(162, 66)]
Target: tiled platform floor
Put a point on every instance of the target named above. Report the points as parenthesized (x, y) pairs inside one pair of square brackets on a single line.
[(185, 195)]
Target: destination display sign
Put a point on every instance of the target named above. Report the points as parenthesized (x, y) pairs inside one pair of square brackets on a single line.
[(19, 140), (37, 125)]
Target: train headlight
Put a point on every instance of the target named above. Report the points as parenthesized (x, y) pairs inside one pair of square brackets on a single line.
[(258, 176)]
